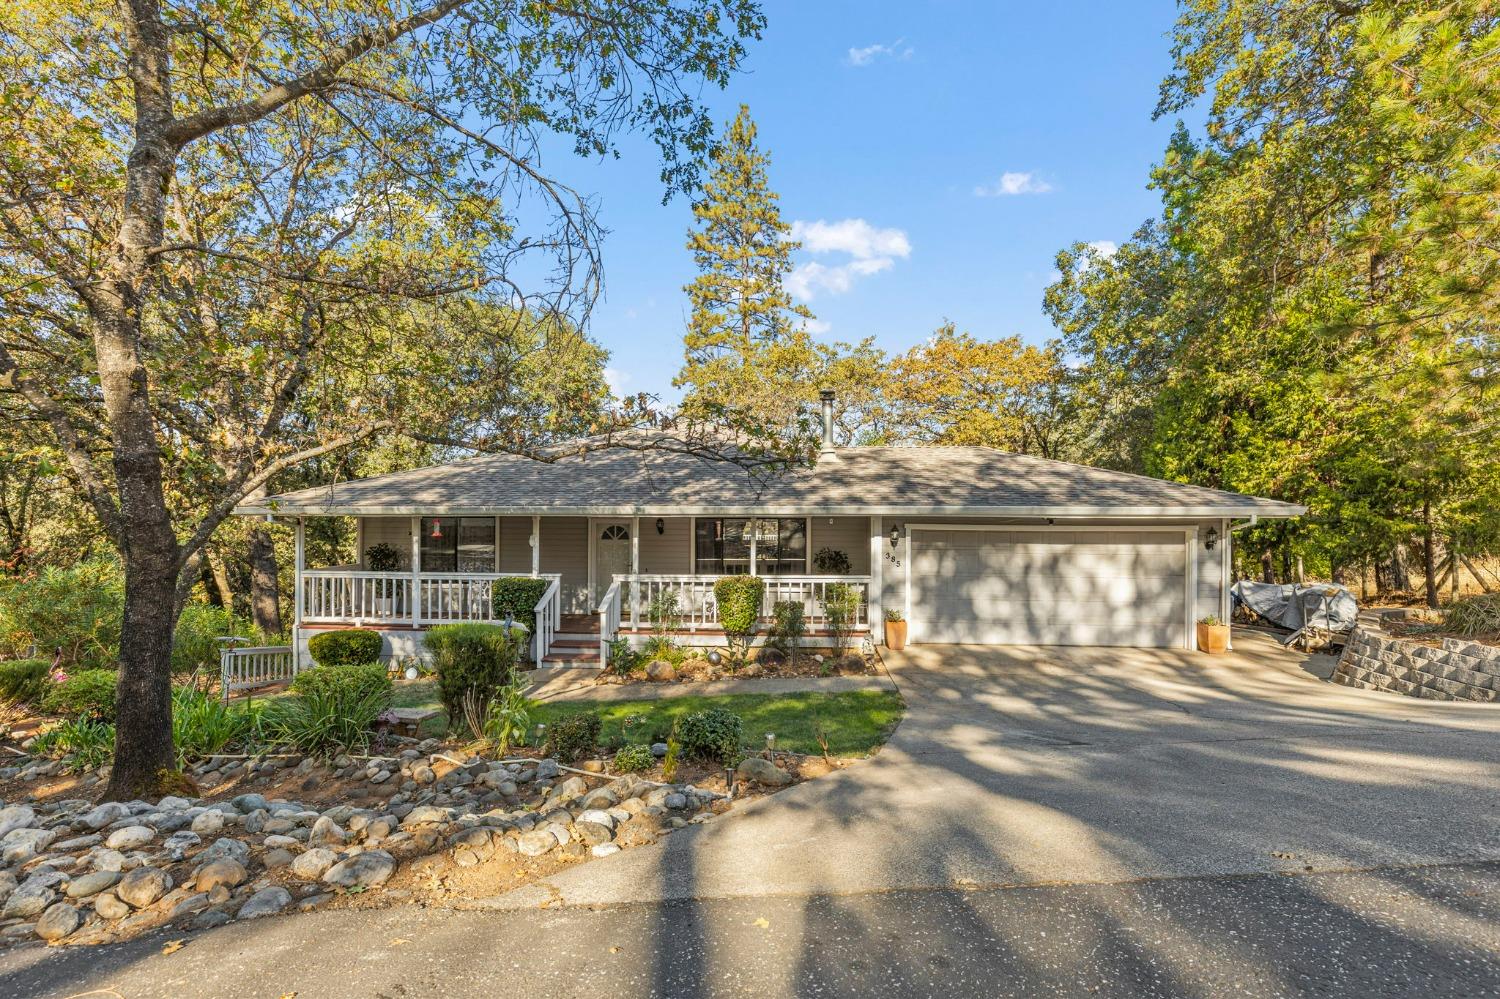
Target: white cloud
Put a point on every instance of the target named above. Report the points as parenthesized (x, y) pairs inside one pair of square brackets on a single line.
[(817, 327), (617, 380), (870, 249), (1105, 248), (1013, 183), (898, 50)]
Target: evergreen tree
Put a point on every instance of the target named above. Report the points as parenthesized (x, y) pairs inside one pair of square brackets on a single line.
[(747, 349)]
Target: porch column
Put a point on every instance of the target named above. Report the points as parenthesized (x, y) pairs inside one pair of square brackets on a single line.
[(299, 560), (1226, 576), (416, 572), (1191, 543), (536, 546), (877, 576), (753, 532), (635, 569)]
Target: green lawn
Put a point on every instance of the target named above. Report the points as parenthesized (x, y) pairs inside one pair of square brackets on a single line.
[(856, 721)]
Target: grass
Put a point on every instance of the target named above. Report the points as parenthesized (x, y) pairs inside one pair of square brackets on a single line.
[(856, 722)]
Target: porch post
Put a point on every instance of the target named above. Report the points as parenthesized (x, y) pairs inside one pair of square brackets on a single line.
[(877, 576), (299, 562), (416, 572), (753, 567), (1190, 542), (635, 570), (536, 546)]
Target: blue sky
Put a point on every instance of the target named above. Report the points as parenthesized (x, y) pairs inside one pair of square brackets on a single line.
[(949, 148)]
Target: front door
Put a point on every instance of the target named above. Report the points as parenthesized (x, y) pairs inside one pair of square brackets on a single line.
[(611, 554)]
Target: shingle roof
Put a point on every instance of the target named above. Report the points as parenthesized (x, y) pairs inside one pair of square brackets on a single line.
[(895, 481)]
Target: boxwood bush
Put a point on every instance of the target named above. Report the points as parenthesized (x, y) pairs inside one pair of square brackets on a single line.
[(572, 737), (346, 647), (633, 760), (713, 735), (472, 657), (24, 680), (88, 693), (739, 599), (517, 596)]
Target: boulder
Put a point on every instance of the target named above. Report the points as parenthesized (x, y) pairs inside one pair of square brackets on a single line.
[(224, 871), (754, 770), (266, 902), (658, 749), (130, 838), (27, 901), (104, 815), (109, 906), (374, 867), (660, 671), (143, 886), (16, 817), (312, 865), (58, 921), (93, 884)]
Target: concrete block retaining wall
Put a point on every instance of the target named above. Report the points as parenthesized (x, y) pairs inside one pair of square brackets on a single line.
[(1457, 671)]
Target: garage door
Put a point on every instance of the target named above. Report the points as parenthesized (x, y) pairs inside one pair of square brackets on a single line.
[(1055, 587)]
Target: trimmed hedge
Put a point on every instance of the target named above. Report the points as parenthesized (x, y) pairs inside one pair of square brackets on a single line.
[(24, 680), (469, 657), (739, 599), (344, 681), (89, 693), (346, 647), (517, 596)]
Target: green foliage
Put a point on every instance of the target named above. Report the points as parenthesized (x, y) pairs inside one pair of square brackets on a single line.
[(739, 599), (664, 648), (76, 609), (893, 614), (633, 760), (346, 647), (88, 693), (382, 558), (573, 737), (509, 717), (24, 680), (518, 597), (344, 681), (713, 735), (193, 643), (669, 762), (203, 725), (788, 627), (1477, 615), (831, 562), (841, 605), (622, 659), (664, 615), (329, 716), (84, 742), (477, 658)]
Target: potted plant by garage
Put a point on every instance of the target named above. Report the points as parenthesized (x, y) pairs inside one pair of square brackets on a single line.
[(895, 630), (383, 558), (1213, 635)]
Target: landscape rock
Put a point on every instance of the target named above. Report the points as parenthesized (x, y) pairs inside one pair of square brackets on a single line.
[(27, 901), (266, 902), (312, 865), (143, 886), (536, 842), (20, 845), (58, 921), (547, 770), (325, 831), (16, 817), (208, 823), (660, 671), (755, 770), (224, 871), (103, 815), (93, 883), (109, 906), (225, 848), (179, 843), (130, 838), (107, 860), (373, 867)]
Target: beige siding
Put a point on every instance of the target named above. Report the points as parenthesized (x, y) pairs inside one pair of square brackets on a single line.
[(850, 535), (565, 550), (668, 553), (515, 545), (393, 531)]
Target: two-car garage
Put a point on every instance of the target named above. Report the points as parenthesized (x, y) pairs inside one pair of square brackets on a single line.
[(983, 585)]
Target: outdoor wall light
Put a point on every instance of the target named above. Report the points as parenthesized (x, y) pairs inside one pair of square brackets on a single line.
[(1211, 538), (531, 540), (895, 536), (661, 526)]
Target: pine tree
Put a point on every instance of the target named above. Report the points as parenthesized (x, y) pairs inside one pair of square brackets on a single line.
[(747, 349)]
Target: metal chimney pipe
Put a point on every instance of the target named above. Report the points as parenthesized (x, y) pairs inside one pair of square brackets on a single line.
[(827, 396)]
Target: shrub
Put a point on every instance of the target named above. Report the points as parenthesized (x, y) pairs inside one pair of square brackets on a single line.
[(572, 737), (633, 760), (509, 717), (76, 608), (621, 659), (832, 562), (788, 627), (841, 603), (24, 679), (1478, 615), (382, 558), (345, 681), (714, 735), (739, 599), (669, 762), (477, 658), (85, 743), (88, 693), (203, 725), (329, 714), (663, 614), (346, 647), (194, 643), (517, 596)]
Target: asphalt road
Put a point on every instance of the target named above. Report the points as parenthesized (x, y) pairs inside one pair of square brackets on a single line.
[(1044, 822)]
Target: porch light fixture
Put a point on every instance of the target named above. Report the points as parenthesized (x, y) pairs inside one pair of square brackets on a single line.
[(895, 536), (661, 526), (1211, 538)]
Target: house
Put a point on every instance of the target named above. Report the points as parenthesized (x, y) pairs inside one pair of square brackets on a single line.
[(970, 544)]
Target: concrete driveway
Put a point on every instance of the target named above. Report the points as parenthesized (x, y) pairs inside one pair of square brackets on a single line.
[(1020, 766)]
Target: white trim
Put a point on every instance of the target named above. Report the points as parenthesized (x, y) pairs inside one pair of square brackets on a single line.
[(1190, 553), (876, 598), (1278, 510), (299, 561), (536, 546), (416, 571)]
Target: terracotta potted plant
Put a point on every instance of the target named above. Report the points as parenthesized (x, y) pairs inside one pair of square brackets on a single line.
[(1213, 636), (895, 630)]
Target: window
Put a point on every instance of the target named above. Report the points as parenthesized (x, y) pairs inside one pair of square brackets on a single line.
[(458, 544), (722, 545), (614, 532)]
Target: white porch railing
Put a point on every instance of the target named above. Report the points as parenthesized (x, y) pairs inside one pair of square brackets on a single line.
[(242, 668), (696, 609), (609, 620), (548, 616), (354, 596)]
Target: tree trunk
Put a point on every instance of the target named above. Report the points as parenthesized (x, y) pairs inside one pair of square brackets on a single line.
[(1457, 567), (1429, 559), (265, 585), (1474, 571), (1300, 576), (1267, 567), (1400, 578), (220, 577), (1336, 573)]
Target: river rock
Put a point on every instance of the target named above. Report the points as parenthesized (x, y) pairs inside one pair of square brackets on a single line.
[(103, 815), (143, 886), (16, 817), (266, 902), (58, 921), (130, 838), (373, 867), (312, 865), (109, 906), (27, 901), (93, 883), (208, 823), (225, 848), (224, 871), (753, 769)]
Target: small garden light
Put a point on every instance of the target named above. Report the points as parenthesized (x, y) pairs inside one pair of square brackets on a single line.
[(729, 781), (771, 742)]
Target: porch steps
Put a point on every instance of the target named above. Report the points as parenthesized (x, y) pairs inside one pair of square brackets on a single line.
[(573, 649)]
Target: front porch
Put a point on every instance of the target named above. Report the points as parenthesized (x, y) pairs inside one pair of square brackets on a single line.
[(605, 576)]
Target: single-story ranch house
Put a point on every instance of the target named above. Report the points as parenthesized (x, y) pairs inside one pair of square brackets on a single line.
[(969, 544)]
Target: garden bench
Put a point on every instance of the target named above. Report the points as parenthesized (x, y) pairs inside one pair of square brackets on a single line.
[(406, 721)]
